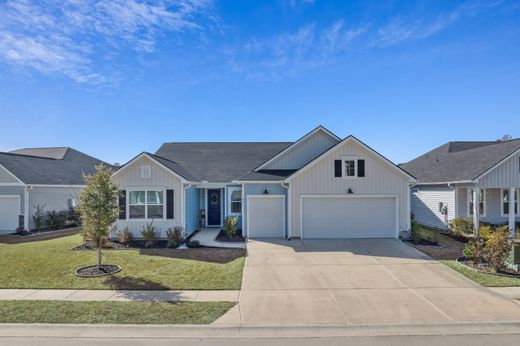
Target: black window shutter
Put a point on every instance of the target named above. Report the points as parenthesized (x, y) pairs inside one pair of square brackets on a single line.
[(169, 204), (122, 204), (337, 168), (361, 168)]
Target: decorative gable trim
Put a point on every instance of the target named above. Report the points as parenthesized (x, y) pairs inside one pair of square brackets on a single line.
[(150, 157), (492, 168), (347, 140), (290, 147)]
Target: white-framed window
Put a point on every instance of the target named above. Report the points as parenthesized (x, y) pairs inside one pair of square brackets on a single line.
[(235, 200), (349, 167), (146, 204), (146, 172), (482, 204), (505, 202)]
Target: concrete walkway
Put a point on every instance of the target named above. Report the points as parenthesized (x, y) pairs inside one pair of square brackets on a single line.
[(207, 236), (120, 296)]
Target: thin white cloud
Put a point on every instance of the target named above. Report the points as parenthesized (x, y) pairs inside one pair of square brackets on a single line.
[(65, 37)]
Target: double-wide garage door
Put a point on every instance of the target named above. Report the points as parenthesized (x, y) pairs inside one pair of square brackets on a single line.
[(9, 213), (349, 217)]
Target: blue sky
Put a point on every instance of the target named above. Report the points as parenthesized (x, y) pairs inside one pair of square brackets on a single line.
[(113, 78)]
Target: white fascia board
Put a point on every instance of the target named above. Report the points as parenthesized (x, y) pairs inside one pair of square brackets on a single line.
[(135, 159), (339, 145), (290, 147)]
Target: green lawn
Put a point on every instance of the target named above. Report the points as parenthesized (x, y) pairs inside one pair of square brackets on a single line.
[(51, 264), (480, 278), (42, 311)]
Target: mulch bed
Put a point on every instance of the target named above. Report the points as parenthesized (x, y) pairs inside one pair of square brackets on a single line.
[(95, 271), (37, 236), (237, 238), (447, 248), (485, 269)]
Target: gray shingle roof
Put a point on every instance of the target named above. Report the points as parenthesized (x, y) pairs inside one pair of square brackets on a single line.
[(459, 161), (268, 175), (46, 168), (219, 161), (180, 170)]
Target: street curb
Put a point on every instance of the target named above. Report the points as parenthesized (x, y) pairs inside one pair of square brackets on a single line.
[(257, 331)]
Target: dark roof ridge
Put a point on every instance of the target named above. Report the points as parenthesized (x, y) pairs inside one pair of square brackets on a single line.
[(30, 156)]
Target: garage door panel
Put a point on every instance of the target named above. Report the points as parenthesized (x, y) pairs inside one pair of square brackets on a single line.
[(349, 217), (9, 211), (266, 217)]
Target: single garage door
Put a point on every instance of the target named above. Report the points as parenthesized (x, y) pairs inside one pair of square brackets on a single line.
[(349, 217), (9, 212), (266, 216)]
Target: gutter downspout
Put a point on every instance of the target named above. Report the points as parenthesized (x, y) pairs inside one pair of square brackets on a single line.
[(26, 208), (288, 209), (409, 207)]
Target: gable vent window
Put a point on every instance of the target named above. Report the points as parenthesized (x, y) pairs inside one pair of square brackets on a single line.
[(146, 172)]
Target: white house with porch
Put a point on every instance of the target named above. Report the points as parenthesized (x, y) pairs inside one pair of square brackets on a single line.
[(453, 176)]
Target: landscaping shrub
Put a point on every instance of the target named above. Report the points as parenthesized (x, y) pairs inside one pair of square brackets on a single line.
[(149, 235), (194, 243), (485, 232), (176, 236), (474, 251), (56, 220), (38, 217), (498, 247), (74, 216), (125, 236), (461, 227), (230, 226)]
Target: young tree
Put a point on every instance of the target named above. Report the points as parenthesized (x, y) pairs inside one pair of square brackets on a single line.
[(98, 206)]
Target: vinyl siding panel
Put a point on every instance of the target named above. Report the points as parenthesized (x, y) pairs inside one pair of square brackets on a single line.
[(493, 206), (303, 152), (258, 189), (504, 176), (425, 205), (161, 179), (52, 199), (6, 177), (379, 179)]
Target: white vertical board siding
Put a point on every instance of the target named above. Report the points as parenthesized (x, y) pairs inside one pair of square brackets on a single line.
[(425, 205), (493, 206), (505, 175), (303, 152), (51, 199), (379, 179), (6, 177), (160, 179)]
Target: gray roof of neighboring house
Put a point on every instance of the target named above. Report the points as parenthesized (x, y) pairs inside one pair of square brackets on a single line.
[(459, 161), (219, 161), (50, 166), (268, 175)]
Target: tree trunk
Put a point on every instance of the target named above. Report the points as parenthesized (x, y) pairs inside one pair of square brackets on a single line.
[(99, 257)]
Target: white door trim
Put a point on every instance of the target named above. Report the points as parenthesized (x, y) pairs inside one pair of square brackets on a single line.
[(249, 197), (353, 196)]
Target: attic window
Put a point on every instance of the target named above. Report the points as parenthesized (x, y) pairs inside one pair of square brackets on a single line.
[(146, 172)]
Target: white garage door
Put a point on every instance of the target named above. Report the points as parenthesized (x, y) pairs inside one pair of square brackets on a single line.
[(9, 212), (266, 216), (349, 217)]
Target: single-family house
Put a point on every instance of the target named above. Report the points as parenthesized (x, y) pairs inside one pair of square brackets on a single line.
[(320, 186), (451, 177), (51, 178)]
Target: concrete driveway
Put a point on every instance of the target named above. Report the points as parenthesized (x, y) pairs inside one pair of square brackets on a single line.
[(356, 281)]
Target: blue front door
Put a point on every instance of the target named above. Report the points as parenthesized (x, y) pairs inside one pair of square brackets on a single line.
[(214, 208)]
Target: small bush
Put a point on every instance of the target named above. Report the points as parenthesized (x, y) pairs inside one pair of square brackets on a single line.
[(38, 217), (498, 247), (474, 251), (194, 243), (74, 216), (230, 226), (485, 232), (149, 235), (172, 244), (461, 227), (125, 236), (56, 220), (177, 234)]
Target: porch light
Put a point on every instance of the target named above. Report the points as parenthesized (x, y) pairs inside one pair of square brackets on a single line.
[(266, 192), (349, 191)]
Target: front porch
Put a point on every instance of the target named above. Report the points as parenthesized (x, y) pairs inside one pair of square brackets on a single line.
[(497, 206)]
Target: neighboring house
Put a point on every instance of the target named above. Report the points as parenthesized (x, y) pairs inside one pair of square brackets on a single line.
[(452, 176), (49, 177), (317, 187)]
